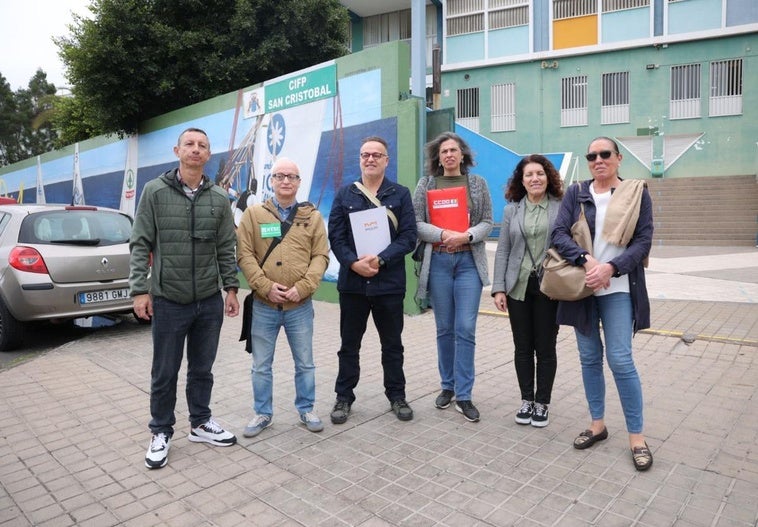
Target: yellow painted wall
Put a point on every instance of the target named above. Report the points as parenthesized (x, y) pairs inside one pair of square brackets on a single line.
[(575, 32)]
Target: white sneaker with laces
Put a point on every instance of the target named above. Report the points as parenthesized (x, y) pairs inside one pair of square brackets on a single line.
[(311, 422), (211, 432), (157, 452)]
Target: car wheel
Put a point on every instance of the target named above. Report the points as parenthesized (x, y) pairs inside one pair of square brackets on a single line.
[(11, 330)]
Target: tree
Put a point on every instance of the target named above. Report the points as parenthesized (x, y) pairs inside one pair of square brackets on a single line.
[(137, 59), (26, 128)]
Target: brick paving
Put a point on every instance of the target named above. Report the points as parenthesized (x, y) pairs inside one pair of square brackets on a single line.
[(75, 430)]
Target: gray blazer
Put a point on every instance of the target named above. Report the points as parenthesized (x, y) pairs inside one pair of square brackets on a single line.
[(511, 246), (480, 221)]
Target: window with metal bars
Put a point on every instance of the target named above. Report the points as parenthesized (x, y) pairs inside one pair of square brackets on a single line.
[(726, 88), (464, 16), (620, 5), (503, 107), (467, 108), (615, 98), (574, 101), (509, 17), (685, 92), (573, 8)]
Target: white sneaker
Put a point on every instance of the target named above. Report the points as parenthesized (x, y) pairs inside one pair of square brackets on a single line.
[(311, 422), (257, 425), (157, 452), (211, 432)]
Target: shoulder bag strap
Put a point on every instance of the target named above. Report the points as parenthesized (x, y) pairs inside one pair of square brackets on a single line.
[(376, 202)]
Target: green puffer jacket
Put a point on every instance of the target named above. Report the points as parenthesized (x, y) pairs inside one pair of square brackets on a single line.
[(192, 241)]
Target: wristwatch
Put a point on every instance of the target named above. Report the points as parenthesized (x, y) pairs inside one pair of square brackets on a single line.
[(381, 261), (582, 259), (470, 237)]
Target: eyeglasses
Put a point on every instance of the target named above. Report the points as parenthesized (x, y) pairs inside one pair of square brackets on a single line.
[(372, 155), (604, 154), (280, 177)]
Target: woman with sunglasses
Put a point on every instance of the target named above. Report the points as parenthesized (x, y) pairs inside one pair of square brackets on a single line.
[(534, 194), (620, 219), (454, 266)]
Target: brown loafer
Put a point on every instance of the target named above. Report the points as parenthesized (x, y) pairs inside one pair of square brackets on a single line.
[(642, 457), (586, 439)]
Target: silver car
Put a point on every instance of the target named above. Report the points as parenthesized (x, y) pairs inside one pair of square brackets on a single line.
[(60, 262)]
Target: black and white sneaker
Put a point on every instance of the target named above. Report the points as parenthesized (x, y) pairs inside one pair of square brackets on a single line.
[(211, 432), (524, 414), (157, 452), (468, 410), (539, 416)]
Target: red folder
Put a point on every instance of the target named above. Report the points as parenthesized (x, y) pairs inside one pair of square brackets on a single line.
[(448, 208)]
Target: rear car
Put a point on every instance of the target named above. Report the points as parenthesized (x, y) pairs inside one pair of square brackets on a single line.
[(60, 262)]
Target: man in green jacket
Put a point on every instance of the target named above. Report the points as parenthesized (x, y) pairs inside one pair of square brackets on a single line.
[(184, 223)]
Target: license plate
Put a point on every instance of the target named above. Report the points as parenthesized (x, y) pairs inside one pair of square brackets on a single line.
[(93, 297)]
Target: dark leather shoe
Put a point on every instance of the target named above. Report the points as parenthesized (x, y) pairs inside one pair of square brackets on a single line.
[(642, 457), (586, 439)]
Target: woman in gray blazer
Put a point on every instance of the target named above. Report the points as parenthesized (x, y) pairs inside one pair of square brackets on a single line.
[(534, 192)]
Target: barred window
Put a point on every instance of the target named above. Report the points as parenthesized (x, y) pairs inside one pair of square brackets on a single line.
[(619, 5), (467, 108), (726, 88), (685, 92), (464, 16), (615, 98), (573, 8), (574, 101), (503, 111), (510, 17)]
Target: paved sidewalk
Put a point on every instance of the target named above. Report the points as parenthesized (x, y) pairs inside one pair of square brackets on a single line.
[(74, 435)]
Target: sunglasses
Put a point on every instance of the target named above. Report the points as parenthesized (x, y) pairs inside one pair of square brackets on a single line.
[(604, 154)]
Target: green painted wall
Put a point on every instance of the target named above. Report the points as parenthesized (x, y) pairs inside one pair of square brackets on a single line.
[(728, 146)]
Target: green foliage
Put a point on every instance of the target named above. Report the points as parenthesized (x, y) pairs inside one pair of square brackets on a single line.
[(137, 59), (26, 128)]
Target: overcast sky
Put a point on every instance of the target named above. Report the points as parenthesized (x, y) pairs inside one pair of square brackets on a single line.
[(26, 31)]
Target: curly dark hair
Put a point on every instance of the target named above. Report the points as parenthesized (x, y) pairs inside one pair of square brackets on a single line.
[(433, 167), (516, 190)]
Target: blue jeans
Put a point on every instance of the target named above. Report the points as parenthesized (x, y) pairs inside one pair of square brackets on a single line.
[(455, 291), (298, 326), (387, 311), (615, 312), (199, 323)]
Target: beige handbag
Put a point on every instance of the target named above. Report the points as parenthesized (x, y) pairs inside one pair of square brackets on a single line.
[(562, 280)]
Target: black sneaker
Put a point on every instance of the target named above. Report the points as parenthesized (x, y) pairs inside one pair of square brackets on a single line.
[(340, 412), (444, 399), (539, 416), (402, 410), (524, 414), (468, 410)]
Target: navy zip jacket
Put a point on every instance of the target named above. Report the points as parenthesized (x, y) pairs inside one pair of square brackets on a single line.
[(391, 278), (629, 263)]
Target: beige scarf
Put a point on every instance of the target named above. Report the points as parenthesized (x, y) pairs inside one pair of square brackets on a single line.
[(623, 212)]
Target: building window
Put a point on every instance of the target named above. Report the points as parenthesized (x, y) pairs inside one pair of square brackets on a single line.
[(615, 107), (464, 16), (574, 101), (685, 92), (573, 8), (507, 13), (467, 108), (386, 27), (620, 5), (726, 88), (503, 111)]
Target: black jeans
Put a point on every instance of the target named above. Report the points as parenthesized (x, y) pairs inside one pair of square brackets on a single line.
[(387, 312), (199, 324), (534, 334)]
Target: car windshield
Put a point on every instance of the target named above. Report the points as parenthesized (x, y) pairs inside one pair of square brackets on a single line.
[(76, 227)]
